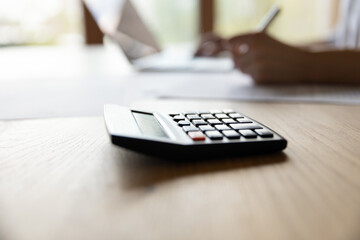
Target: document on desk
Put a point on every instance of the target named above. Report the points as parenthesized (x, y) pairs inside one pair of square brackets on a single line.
[(237, 86)]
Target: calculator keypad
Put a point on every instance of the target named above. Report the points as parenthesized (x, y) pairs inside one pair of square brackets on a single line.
[(219, 125)]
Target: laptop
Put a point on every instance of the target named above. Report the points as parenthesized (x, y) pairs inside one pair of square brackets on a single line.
[(121, 24)]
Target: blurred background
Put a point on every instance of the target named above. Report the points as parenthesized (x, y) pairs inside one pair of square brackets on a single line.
[(63, 22)]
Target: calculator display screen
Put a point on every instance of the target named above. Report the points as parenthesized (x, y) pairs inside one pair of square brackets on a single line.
[(149, 125)]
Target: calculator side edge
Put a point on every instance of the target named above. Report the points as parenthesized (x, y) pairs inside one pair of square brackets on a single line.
[(198, 151)]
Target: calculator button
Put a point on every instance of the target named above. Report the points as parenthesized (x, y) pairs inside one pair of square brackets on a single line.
[(239, 119), (231, 134), (221, 116), (179, 118), (190, 113), (199, 122), (204, 112), (206, 128), (197, 136), (244, 120), (236, 115), (183, 123), (264, 133), (248, 133), (214, 121), (207, 116), (190, 128), (173, 114), (229, 120), (222, 127), (228, 111), (215, 111), (214, 135), (243, 126), (193, 117)]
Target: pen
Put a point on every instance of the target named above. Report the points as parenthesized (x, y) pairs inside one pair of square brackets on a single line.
[(268, 18), (210, 46)]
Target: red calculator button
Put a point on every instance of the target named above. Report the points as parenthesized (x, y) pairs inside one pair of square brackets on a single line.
[(197, 136)]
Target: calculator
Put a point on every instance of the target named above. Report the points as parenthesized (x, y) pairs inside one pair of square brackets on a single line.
[(190, 134)]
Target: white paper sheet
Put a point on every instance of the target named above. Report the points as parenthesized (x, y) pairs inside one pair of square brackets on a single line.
[(236, 86)]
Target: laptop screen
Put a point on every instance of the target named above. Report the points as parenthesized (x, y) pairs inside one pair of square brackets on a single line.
[(120, 21)]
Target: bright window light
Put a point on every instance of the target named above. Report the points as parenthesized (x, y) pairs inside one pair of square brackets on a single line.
[(40, 22)]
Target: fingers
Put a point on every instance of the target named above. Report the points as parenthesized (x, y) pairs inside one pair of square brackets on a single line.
[(245, 50), (271, 69), (208, 48), (266, 59), (251, 39), (265, 68), (210, 45)]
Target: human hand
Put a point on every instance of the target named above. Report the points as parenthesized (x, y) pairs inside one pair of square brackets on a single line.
[(267, 60), (210, 45)]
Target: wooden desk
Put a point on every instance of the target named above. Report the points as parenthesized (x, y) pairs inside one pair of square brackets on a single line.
[(62, 179)]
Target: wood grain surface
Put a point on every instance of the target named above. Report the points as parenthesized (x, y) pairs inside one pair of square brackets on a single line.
[(63, 179)]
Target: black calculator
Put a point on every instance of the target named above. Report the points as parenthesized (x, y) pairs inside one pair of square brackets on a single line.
[(191, 134)]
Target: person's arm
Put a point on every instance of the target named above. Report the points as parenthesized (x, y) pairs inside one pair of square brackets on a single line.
[(267, 60), (340, 66)]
